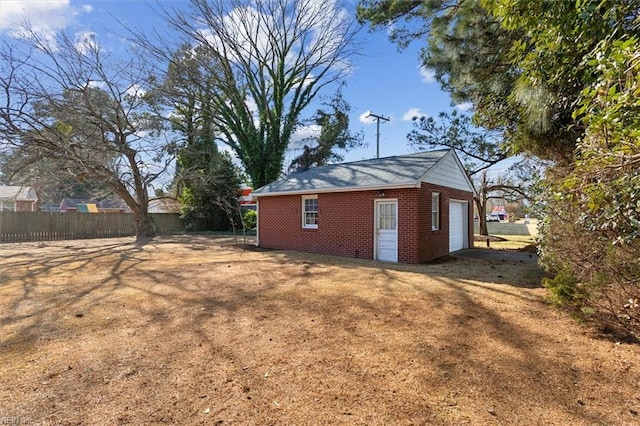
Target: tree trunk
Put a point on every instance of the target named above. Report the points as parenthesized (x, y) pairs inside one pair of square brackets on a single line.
[(145, 226), (484, 229), (481, 205)]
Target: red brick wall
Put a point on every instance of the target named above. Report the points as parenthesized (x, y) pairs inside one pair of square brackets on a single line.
[(434, 244), (345, 223), (26, 206)]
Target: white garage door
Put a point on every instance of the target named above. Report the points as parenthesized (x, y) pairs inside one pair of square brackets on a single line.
[(457, 225)]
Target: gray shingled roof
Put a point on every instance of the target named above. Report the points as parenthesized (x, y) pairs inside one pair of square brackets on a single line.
[(389, 172), (20, 193)]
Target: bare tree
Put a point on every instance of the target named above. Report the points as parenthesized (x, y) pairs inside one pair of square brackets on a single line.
[(84, 108), (495, 188), (266, 60), (52, 183)]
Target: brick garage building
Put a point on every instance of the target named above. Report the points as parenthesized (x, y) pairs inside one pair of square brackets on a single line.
[(18, 199), (408, 209)]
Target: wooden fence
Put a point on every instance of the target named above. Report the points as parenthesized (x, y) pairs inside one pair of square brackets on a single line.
[(47, 226)]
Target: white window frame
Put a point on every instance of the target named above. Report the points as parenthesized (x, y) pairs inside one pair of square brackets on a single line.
[(306, 225), (435, 211)]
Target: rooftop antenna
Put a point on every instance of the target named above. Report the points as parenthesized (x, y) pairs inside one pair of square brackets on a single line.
[(378, 118)]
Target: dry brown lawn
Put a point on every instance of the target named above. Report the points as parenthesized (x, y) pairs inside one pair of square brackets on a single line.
[(195, 330)]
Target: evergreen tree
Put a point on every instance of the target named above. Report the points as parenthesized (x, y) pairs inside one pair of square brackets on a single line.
[(334, 135), (206, 182)]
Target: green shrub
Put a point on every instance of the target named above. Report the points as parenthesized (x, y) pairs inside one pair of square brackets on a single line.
[(250, 219), (593, 255), (563, 288)]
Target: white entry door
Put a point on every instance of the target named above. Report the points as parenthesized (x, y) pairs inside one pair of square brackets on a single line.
[(457, 225), (386, 221)]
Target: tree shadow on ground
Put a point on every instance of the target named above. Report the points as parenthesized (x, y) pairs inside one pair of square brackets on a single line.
[(328, 339)]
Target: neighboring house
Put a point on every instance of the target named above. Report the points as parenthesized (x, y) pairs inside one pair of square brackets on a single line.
[(18, 199), (164, 205), (246, 197), (76, 205), (496, 207), (50, 208), (408, 208), (499, 211)]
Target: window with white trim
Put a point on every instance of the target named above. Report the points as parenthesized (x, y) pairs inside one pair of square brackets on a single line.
[(435, 211), (310, 211)]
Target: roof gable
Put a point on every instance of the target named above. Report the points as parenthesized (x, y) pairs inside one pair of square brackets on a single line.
[(18, 193), (402, 171), (71, 203), (450, 173)]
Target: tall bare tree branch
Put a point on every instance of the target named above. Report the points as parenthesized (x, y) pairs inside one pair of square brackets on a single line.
[(84, 108), (267, 60)]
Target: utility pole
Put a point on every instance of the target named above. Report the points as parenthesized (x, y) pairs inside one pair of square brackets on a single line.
[(378, 118)]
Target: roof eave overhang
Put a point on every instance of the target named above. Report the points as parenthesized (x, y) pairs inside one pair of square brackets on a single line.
[(416, 184)]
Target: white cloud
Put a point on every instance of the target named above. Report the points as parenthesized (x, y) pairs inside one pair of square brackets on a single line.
[(303, 136), (251, 34), (413, 112), (366, 119), (135, 91), (86, 42), (42, 17), (87, 8), (465, 106), (98, 84), (428, 75), (248, 30), (390, 29)]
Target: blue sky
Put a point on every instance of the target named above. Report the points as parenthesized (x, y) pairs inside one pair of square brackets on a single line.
[(391, 84), (384, 81)]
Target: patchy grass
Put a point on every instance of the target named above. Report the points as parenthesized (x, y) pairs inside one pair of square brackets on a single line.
[(505, 242), (196, 330), (511, 242)]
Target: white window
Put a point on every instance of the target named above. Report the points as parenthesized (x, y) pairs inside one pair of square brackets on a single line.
[(387, 219), (310, 211), (435, 211)]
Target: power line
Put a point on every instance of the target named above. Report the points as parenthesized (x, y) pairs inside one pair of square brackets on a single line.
[(378, 118)]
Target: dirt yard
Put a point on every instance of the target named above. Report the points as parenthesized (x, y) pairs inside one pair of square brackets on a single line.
[(195, 330)]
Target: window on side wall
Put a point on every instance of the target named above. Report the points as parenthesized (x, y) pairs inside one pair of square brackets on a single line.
[(310, 211), (435, 211)]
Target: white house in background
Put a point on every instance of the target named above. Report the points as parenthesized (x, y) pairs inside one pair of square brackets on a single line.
[(18, 199)]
